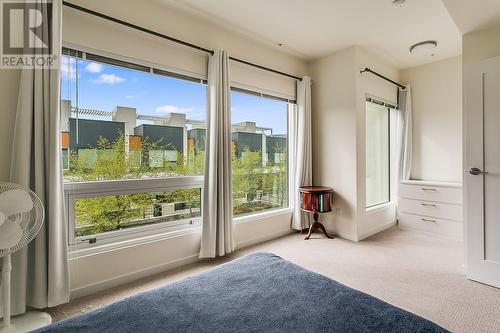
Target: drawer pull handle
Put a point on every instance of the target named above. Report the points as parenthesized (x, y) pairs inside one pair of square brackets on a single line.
[(428, 205), (429, 189), (427, 220)]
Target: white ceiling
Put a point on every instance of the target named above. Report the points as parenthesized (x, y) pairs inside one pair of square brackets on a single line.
[(472, 15), (315, 28)]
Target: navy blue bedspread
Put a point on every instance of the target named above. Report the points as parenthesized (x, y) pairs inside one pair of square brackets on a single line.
[(260, 292)]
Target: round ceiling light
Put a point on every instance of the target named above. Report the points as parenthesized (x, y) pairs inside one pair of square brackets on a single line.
[(424, 48), (398, 3)]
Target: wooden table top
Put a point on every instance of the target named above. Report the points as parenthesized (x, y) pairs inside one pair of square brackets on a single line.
[(316, 189)]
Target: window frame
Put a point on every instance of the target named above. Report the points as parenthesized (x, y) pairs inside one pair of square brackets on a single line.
[(81, 52), (89, 189), (262, 93), (388, 107), (92, 189)]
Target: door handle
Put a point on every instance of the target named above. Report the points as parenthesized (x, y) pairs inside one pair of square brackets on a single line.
[(476, 171)]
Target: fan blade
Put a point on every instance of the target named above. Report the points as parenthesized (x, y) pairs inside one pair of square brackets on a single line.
[(2, 218), (15, 202), (10, 234)]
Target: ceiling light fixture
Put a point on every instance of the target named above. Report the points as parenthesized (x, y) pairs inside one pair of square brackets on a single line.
[(424, 48), (398, 3)]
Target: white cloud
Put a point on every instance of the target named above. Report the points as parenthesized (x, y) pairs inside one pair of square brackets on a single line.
[(67, 68), (93, 67), (172, 109), (108, 79), (135, 96)]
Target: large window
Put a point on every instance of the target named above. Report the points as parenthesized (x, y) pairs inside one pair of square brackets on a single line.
[(133, 146), (125, 211), (124, 124), (260, 153), (377, 153)]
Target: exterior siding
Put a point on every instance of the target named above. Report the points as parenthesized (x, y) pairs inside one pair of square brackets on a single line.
[(89, 132), (244, 141), (198, 135), (165, 137)]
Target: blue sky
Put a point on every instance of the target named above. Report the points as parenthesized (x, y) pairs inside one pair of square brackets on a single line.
[(103, 87)]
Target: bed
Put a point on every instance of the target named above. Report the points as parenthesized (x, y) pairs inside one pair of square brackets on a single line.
[(260, 292)]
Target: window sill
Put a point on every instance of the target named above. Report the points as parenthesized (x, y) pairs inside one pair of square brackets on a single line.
[(78, 253), (263, 215), (377, 208)]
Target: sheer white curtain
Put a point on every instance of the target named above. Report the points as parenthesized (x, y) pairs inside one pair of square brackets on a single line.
[(218, 228), (405, 133), (300, 126), (40, 275)]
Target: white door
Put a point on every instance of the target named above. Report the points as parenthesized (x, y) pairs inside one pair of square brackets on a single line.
[(482, 170)]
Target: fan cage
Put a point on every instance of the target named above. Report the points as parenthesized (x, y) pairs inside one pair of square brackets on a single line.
[(30, 221)]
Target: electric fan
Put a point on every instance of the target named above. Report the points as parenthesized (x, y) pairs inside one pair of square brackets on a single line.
[(21, 217)]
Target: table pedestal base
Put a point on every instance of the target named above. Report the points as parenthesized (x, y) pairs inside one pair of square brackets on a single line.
[(315, 226)]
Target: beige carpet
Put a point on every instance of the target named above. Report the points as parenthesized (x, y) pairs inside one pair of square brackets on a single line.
[(419, 273)]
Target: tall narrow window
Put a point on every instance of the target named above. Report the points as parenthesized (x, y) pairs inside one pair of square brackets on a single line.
[(377, 154), (260, 153)]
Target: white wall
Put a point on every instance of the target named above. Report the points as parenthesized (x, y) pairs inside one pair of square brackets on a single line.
[(334, 136), (338, 114), (93, 272), (437, 120), (480, 45)]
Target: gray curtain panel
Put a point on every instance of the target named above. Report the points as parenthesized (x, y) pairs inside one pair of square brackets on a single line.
[(40, 275), (300, 126), (218, 236), (405, 139)]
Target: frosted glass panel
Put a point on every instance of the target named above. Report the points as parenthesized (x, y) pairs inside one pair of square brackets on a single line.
[(492, 166), (377, 154)]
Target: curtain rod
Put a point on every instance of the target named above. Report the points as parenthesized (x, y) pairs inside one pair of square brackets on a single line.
[(265, 68), (169, 38), (382, 77)]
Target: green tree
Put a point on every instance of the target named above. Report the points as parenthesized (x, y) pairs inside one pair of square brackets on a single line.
[(111, 161), (108, 213), (276, 178), (247, 175), (252, 179), (256, 185)]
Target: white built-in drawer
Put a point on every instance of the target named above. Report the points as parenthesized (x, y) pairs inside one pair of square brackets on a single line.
[(436, 226), (431, 193), (431, 208)]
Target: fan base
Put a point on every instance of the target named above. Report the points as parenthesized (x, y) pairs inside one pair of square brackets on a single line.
[(27, 322)]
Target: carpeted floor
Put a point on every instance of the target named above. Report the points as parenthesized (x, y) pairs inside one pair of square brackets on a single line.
[(419, 273)]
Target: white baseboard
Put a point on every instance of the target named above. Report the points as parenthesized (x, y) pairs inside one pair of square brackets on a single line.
[(376, 230), (350, 237), (265, 238), (129, 277), (434, 235)]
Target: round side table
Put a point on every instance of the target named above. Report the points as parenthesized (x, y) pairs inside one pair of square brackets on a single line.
[(316, 200)]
